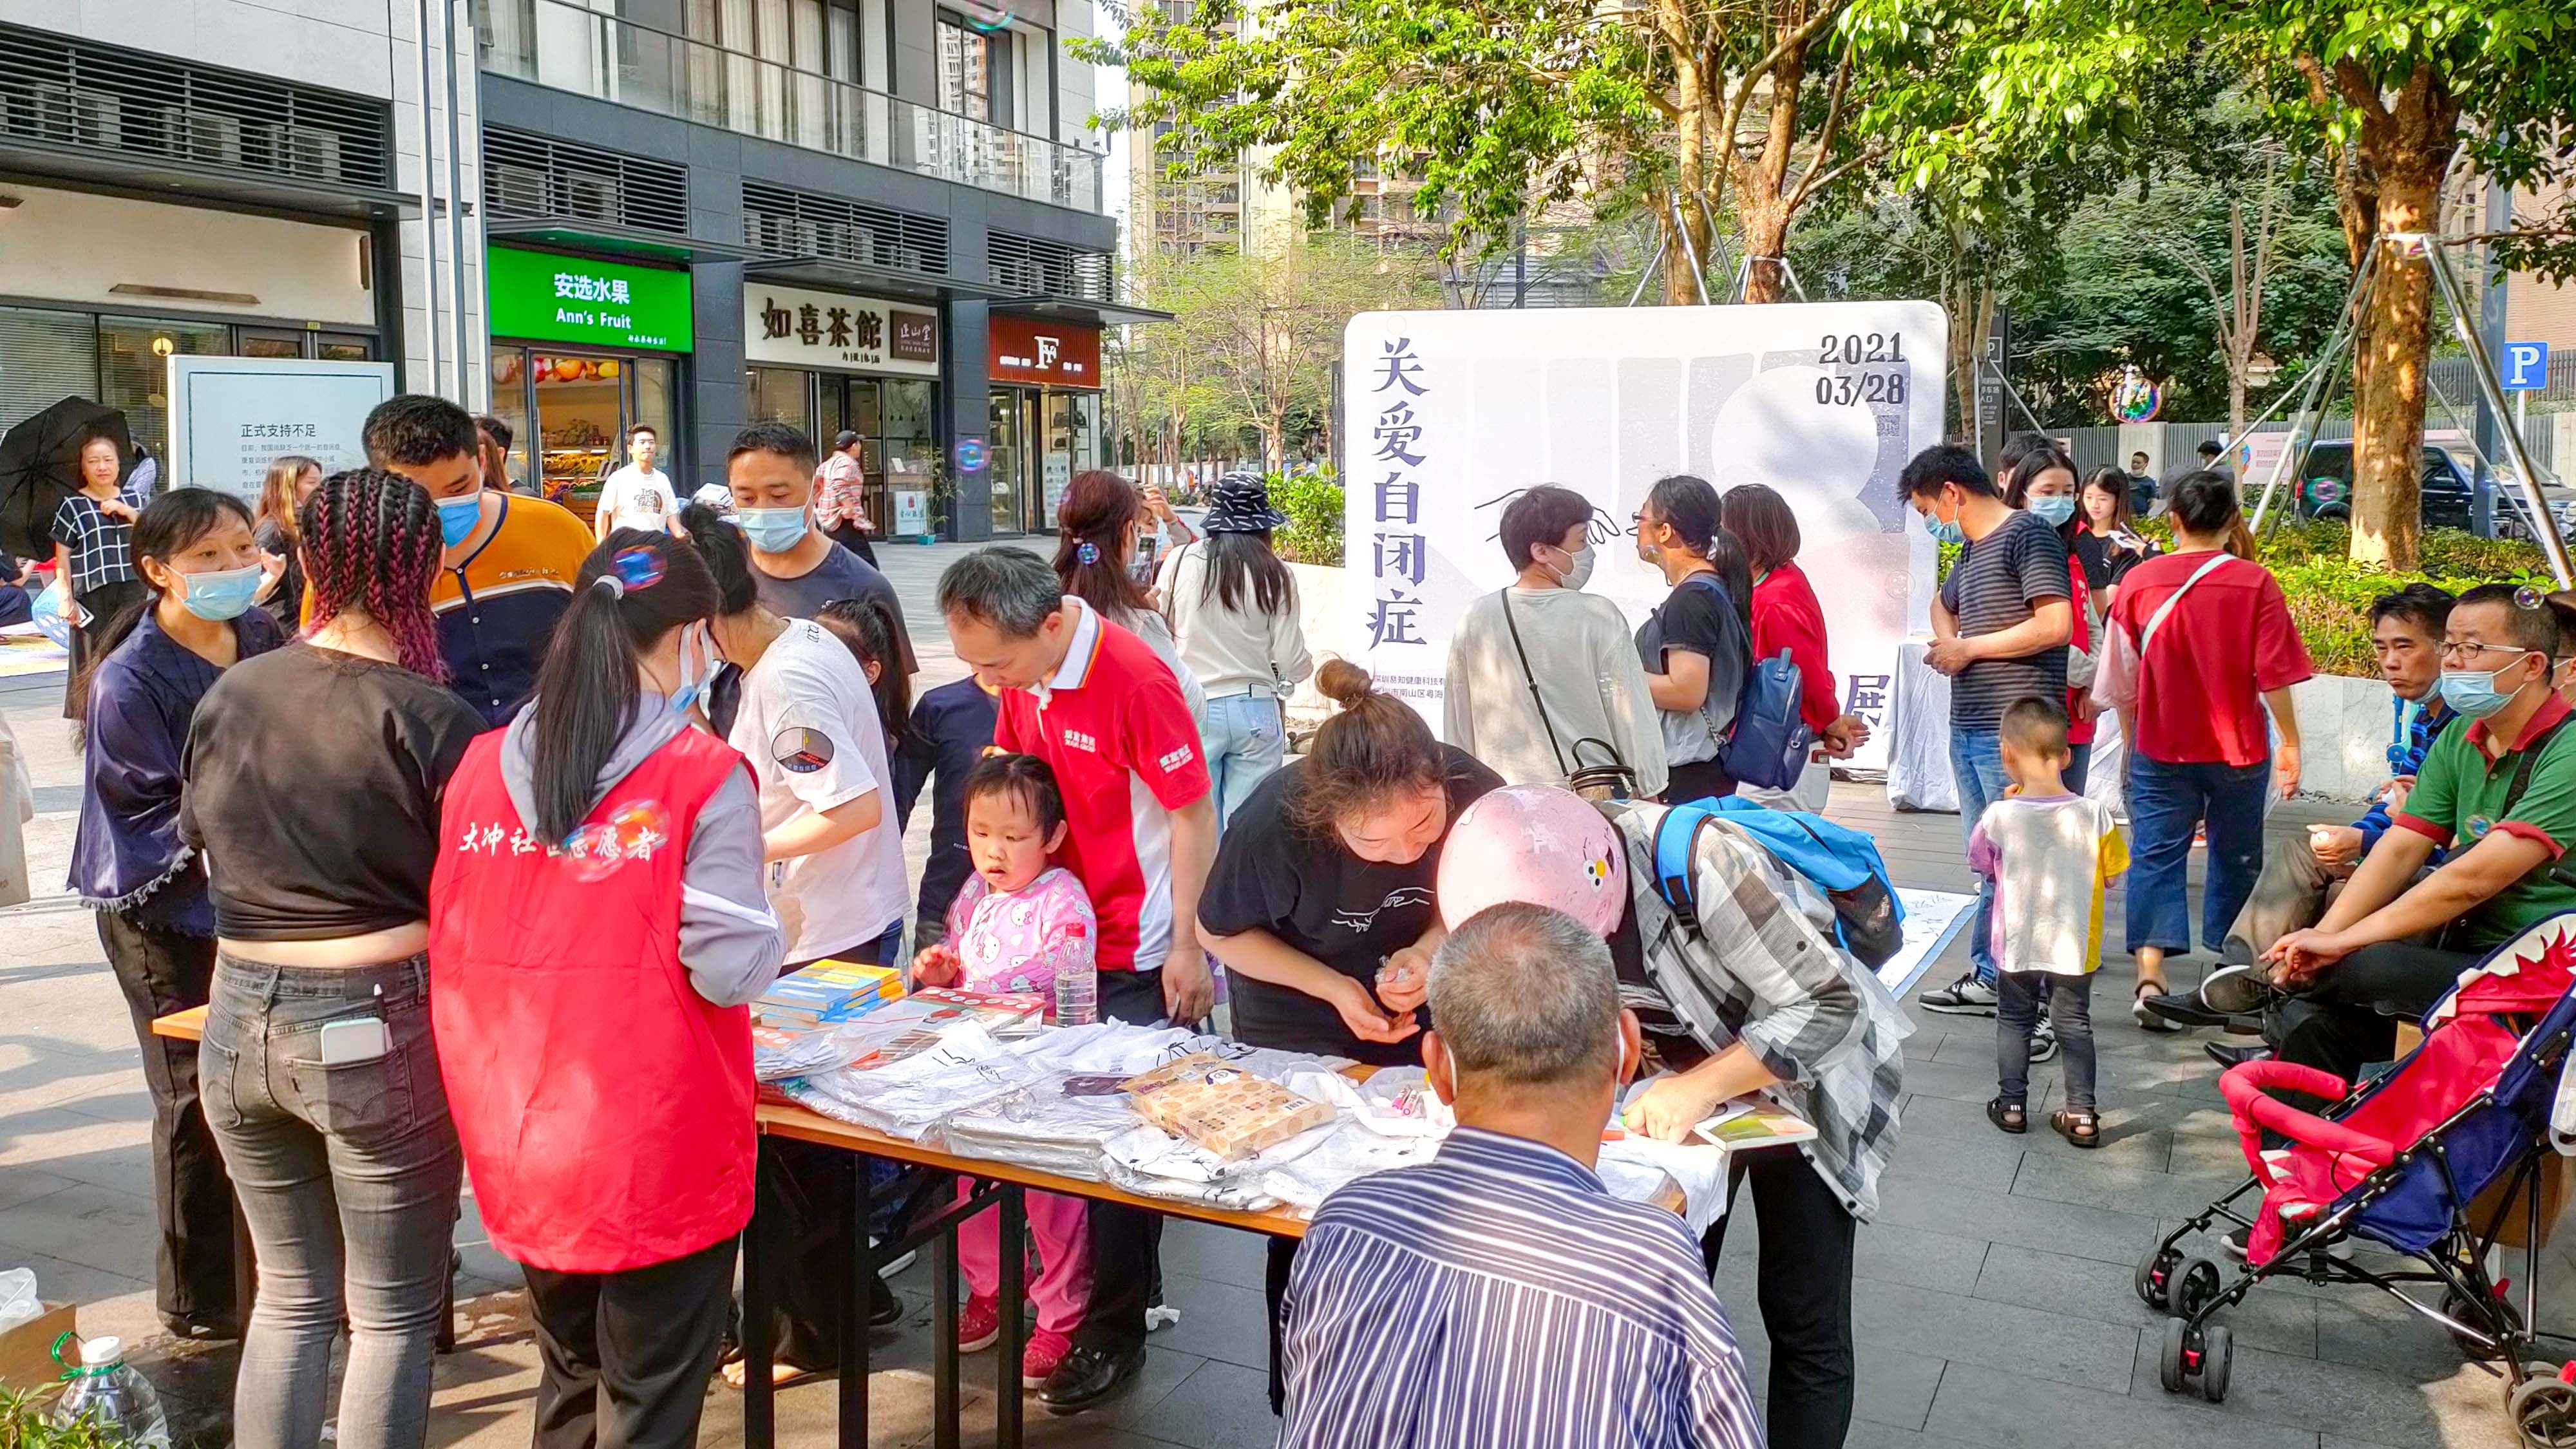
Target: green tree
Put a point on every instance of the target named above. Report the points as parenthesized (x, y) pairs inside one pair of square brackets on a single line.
[(1711, 108), (2392, 90)]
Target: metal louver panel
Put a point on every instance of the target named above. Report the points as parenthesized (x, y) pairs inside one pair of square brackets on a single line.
[(57, 91), (532, 176), (49, 356), (1041, 268), (785, 222)]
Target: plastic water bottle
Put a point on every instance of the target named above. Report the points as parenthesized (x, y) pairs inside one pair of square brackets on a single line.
[(1077, 995), (116, 1399)]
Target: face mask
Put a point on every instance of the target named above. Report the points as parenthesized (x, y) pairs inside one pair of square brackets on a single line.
[(696, 664), (457, 517), (2474, 693), (772, 530), (221, 595), (1580, 571), (2056, 509), (1944, 530)]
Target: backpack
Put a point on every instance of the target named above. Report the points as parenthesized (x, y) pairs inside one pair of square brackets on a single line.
[(1767, 744), (1841, 862)]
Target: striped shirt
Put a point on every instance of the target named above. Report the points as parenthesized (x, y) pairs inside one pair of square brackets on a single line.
[(1997, 583), (1499, 1296)]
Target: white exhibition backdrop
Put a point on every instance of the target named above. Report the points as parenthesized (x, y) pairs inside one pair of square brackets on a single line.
[(1449, 414)]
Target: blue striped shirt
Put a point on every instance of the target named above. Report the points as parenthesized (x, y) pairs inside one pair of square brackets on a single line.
[(1499, 1296)]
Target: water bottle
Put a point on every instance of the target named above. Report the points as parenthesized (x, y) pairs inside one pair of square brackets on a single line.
[(1077, 994), (118, 1401)]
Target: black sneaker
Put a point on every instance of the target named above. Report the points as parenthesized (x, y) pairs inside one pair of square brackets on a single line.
[(1966, 996), (2043, 1042), (2228, 1056), (2179, 1008)]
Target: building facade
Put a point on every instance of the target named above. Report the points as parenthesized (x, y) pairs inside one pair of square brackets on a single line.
[(229, 178), (843, 214)]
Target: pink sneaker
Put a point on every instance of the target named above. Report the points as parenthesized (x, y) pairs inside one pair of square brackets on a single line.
[(980, 1324), (1046, 1349)]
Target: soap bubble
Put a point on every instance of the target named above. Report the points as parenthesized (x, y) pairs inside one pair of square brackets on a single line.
[(636, 831)]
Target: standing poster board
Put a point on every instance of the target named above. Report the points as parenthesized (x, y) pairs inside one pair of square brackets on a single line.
[(1450, 414), (231, 416)]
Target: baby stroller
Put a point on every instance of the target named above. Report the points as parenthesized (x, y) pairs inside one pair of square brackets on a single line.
[(2400, 1161)]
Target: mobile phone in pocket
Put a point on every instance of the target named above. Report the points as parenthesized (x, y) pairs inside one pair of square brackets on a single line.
[(361, 1039)]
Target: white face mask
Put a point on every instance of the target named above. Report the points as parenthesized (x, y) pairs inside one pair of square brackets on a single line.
[(1578, 569)]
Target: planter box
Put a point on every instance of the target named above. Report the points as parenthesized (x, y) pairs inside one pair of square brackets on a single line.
[(26, 1356), (2344, 729)]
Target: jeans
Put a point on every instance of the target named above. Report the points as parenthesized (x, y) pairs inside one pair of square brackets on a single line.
[(163, 971), (1977, 764), (2069, 999), (1245, 741), (348, 1176), (629, 1350), (1805, 1292), (2165, 802), (2079, 766)]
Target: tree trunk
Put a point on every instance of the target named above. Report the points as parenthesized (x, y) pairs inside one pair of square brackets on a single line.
[(1763, 222), (2406, 147)]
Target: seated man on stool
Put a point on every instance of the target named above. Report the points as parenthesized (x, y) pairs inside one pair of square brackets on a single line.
[(2500, 794), (2296, 885)]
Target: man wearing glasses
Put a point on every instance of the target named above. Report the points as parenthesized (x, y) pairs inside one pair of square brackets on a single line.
[(2499, 794)]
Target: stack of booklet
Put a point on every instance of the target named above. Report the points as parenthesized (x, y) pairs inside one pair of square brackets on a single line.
[(826, 992)]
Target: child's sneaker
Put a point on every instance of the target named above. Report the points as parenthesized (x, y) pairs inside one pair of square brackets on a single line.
[(2043, 1041), (1046, 1349), (980, 1324), (1966, 996)]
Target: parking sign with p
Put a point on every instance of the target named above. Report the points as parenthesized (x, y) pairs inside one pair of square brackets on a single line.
[(2526, 366)]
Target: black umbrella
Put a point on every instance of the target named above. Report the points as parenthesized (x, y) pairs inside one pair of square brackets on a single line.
[(40, 466)]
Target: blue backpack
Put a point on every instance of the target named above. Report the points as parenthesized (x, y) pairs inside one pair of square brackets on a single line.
[(1839, 861), (1768, 743)]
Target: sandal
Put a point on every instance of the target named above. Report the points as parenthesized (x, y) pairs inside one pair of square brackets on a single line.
[(2083, 1129), (2148, 1020), (2008, 1116)]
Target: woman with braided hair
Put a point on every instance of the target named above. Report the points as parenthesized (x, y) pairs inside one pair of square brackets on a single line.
[(318, 1073)]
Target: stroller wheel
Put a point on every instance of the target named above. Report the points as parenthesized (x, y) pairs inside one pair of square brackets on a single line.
[(2169, 1365), (2193, 1286), (2544, 1410), (2217, 1356), (2155, 1274), (2465, 1310)]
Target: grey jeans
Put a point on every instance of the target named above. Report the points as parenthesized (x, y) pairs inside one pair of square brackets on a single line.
[(348, 1177)]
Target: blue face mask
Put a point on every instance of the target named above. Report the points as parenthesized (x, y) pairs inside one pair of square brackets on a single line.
[(697, 665), (2474, 693), (1944, 530), (772, 530), (457, 518), (2056, 509), (221, 595)]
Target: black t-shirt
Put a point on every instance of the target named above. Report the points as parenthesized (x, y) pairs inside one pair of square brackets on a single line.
[(1349, 913), (1996, 584), (312, 786), (2106, 559), (1703, 620)]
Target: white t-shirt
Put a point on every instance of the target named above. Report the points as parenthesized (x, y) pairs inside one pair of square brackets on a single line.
[(633, 497), (808, 725)]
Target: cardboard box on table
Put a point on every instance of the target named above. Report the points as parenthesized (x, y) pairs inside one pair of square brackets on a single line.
[(26, 1351)]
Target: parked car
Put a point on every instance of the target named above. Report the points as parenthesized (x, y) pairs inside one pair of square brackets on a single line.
[(2325, 486)]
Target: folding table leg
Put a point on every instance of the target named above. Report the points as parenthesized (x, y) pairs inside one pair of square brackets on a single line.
[(943, 1264), (759, 1401), (858, 1292), (1015, 1330)]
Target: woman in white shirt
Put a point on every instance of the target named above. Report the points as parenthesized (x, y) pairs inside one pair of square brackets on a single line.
[(1233, 610), (1544, 681)]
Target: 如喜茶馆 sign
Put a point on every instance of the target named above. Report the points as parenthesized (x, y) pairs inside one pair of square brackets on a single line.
[(549, 298)]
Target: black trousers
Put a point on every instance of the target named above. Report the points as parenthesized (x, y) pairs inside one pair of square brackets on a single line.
[(1805, 1291), (855, 539), (633, 1348), (1126, 1243), (163, 971), (1698, 780), (2347, 1018)]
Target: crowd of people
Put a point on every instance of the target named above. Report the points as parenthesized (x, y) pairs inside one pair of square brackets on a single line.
[(564, 798)]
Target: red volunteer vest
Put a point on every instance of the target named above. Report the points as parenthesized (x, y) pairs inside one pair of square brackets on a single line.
[(604, 1106)]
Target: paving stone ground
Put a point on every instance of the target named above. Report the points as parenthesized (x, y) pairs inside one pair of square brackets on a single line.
[(1992, 1300)]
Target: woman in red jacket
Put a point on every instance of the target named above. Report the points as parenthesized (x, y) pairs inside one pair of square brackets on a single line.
[(597, 926), (1787, 616)]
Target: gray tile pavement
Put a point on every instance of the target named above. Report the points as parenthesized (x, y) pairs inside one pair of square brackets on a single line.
[(1992, 1297)]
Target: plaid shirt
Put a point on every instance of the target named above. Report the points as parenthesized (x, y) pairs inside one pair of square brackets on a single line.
[(2411, 733), (840, 491), (102, 548), (1763, 970)]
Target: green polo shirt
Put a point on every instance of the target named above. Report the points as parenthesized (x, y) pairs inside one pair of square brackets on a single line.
[(2459, 796)]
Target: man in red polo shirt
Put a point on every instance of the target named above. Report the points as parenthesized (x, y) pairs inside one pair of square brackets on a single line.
[(1099, 707)]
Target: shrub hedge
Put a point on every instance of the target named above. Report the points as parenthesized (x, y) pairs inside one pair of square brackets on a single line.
[(1313, 503)]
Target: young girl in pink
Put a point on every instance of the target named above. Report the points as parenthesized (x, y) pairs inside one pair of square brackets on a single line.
[(1016, 923)]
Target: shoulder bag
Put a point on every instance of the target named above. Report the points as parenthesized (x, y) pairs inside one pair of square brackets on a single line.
[(1612, 781)]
